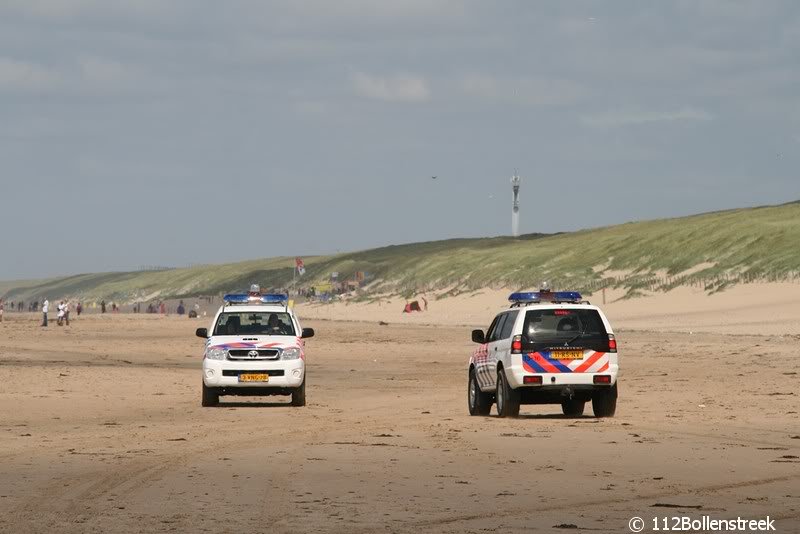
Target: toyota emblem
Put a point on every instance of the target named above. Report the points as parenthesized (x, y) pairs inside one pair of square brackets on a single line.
[(253, 354)]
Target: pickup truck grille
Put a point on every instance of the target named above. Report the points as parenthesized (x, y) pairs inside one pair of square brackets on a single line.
[(254, 354), (270, 372)]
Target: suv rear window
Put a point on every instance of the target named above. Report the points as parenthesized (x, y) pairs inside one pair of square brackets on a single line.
[(564, 328), (254, 323)]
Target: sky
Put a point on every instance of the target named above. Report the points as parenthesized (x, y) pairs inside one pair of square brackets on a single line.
[(147, 132)]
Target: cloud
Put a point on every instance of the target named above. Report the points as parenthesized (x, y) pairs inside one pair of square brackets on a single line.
[(527, 91), (611, 119), (399, 88), (26, 76)]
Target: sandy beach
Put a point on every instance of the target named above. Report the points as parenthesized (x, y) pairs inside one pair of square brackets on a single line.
[(101, 428)]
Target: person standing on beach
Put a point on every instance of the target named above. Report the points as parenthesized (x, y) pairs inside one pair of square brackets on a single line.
[(79, 308), (2, 306), (45, 309), (103, 306), (66, 312)]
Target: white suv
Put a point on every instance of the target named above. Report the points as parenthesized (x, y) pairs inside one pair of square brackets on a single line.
[(548, 348), (254, 347)]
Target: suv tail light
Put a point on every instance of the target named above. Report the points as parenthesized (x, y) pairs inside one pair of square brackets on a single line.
[(612, 343), (516, 345)]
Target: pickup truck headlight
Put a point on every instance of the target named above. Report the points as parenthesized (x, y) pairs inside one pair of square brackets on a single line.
[(290, 354), (216, 354)]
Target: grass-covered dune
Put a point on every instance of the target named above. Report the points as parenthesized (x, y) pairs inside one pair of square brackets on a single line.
[(716, 249)]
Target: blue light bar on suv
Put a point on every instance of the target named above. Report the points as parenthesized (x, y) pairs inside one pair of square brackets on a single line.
[(244, 298), (546, 296)]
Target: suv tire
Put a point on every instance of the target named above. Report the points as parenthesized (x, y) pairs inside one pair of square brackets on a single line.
[(573, 407), (299, 394), (507, 399), (604, 403), (479, 403), (210, 396)]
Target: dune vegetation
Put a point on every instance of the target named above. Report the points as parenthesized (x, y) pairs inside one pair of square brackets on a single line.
[(716, 250)]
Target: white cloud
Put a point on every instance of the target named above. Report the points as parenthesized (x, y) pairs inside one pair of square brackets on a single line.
[(399, 88), (527, 91), (631, 118), (26, 76)]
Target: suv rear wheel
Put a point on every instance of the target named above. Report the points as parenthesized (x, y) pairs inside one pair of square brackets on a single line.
[(210, 396), (573, 407), (604, 403), (507, 399), (480, 403)]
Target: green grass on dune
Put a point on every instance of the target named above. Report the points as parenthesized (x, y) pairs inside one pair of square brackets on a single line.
[(719, 249)]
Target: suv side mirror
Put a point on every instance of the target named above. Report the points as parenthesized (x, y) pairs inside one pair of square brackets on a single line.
[(202, 332), (478, 337), (307, 332)]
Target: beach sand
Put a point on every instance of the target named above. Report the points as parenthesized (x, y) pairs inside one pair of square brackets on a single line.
[(101, 428)]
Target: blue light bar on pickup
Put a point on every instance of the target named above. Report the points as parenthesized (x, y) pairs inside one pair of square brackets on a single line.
[(546, 296), (244, 298)]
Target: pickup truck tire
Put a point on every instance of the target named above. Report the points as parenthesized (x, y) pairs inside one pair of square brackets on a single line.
[(210, 396), (479, 403), (604, 403), (507, 399), (299, 394)]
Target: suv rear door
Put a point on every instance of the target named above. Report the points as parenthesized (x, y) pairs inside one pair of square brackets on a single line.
[(485, 368), (499, 340), (502, 346)]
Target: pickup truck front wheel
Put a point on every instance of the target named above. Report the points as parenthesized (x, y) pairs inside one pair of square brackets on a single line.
[(210, 396), (299, 394)]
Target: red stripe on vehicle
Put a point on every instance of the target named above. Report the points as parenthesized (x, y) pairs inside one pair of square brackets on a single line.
[(549, 367), (588, 363)]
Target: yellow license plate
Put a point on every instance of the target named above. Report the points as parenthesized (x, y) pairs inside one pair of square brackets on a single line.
[(566, 355), (254, 377)]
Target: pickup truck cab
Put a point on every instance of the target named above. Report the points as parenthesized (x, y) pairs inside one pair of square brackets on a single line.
[(254, 346)]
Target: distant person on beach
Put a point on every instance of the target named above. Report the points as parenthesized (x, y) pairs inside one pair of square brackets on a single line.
[(103, 306), (66, 312), (181, 309), (79, 308), (2, 307), (60, 313), (45, 309)]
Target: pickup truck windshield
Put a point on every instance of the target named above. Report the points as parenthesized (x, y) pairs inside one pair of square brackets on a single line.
[(255, 324)]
